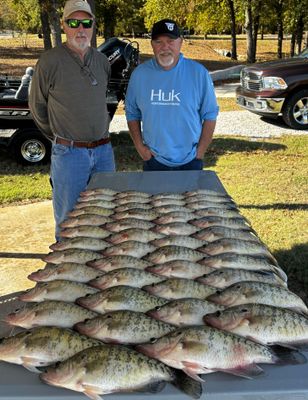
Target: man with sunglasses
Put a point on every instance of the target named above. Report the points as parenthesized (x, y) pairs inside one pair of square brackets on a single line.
[(68, 103)]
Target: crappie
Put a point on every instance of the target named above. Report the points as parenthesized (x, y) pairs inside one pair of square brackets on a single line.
[(86, 231), (180, 269), (176, 228), (49, 313), (132, 206), (218, 212), (138, 213), (126, 223), (180, 288), (85, 219), (224, 277), (132, 193), (257, 292), (204, 349), (164, 201), (107, 264), (169, 253), (249, 262), (168, 195), (205, 192), (175, 216), (140, 235), (80, 256), (120, 298), (170, 208), (98, 191), (95, 196), (57, 290), (124, 327), (235, 223), (208, 198), (125, 276), (229, 245), (91, 210), (132, 199), (96, 203), (68, 271), (43, 346), (93, 372), (178, 240), (214, 233), (182, 312), (129, 248), (80, 242), (199, 205), (263, 323)]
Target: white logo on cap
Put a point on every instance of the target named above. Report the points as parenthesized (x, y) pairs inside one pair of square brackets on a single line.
[(170, 26)]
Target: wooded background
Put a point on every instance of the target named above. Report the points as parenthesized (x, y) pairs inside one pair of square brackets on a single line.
[(288, 19)]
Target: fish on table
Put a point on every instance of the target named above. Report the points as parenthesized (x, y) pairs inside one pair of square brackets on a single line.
[(263, 323), (124, 327), (258, 292), (80, 242), (125, 276), (182, 312), (48, 313), (85, 231), (172, 252), (111, 263), (93, 372), (42, 346), (80, 256), (59, 289), (120, 298), (180, 269), (204, 349), (66, 271)]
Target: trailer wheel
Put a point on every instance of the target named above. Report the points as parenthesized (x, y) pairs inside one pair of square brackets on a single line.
[(30, 147), (295, 112)]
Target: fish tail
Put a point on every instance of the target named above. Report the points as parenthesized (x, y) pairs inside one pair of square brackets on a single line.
[(187, 385), (286, 355)]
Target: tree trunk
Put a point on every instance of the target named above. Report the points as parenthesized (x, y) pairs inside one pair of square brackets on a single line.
[(279, 12), (249, 33), (299, 33), (93, 40), (109, 21), (45, 25), (292, 46), (233, 30), (55, 24)]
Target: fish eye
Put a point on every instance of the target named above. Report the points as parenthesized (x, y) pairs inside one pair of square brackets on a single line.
[(153, 340)]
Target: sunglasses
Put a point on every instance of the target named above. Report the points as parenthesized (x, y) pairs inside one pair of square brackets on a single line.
[(74, 23)]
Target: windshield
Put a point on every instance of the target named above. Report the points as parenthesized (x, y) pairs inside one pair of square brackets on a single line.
[(304, 53)]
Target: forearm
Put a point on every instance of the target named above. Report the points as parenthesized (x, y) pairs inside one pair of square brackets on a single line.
[(135, 133), (206, 138)]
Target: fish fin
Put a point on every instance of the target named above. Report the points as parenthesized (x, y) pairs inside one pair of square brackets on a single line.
[(92, 395), (187, 384), (190, 370), (286, 356), (31, 368), (247, 371), (154, 387), (279, 345)]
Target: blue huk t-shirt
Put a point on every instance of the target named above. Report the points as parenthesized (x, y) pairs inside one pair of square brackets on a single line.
[(172, 105)]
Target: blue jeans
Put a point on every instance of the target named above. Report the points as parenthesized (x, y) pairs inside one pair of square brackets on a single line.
[(70, 171), (153, 165)]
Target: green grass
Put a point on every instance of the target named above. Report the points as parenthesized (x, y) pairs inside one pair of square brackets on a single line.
[(268, 179)]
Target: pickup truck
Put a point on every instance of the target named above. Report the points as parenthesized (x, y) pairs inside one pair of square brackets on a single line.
[(18, 132), (277, 88)]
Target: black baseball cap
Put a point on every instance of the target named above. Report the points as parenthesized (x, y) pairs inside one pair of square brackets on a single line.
[(166, 27)]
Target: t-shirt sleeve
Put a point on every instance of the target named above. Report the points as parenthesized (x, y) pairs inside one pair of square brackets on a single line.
[(132, 111)]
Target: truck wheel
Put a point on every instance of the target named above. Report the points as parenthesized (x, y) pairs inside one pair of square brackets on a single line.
[(30, 147), (295, 112)]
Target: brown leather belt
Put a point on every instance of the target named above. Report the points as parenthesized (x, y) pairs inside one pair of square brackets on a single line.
[(88, 145)]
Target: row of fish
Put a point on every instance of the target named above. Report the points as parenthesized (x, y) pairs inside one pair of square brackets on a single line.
[(181, 277)]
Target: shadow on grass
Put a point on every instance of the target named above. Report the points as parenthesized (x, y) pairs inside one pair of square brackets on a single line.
[(295, 264), (127, 158)]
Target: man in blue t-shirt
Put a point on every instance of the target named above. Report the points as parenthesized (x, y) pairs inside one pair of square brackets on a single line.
[(171, 107)]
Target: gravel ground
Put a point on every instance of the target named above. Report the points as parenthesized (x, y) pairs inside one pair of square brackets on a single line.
[(234, 123)]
